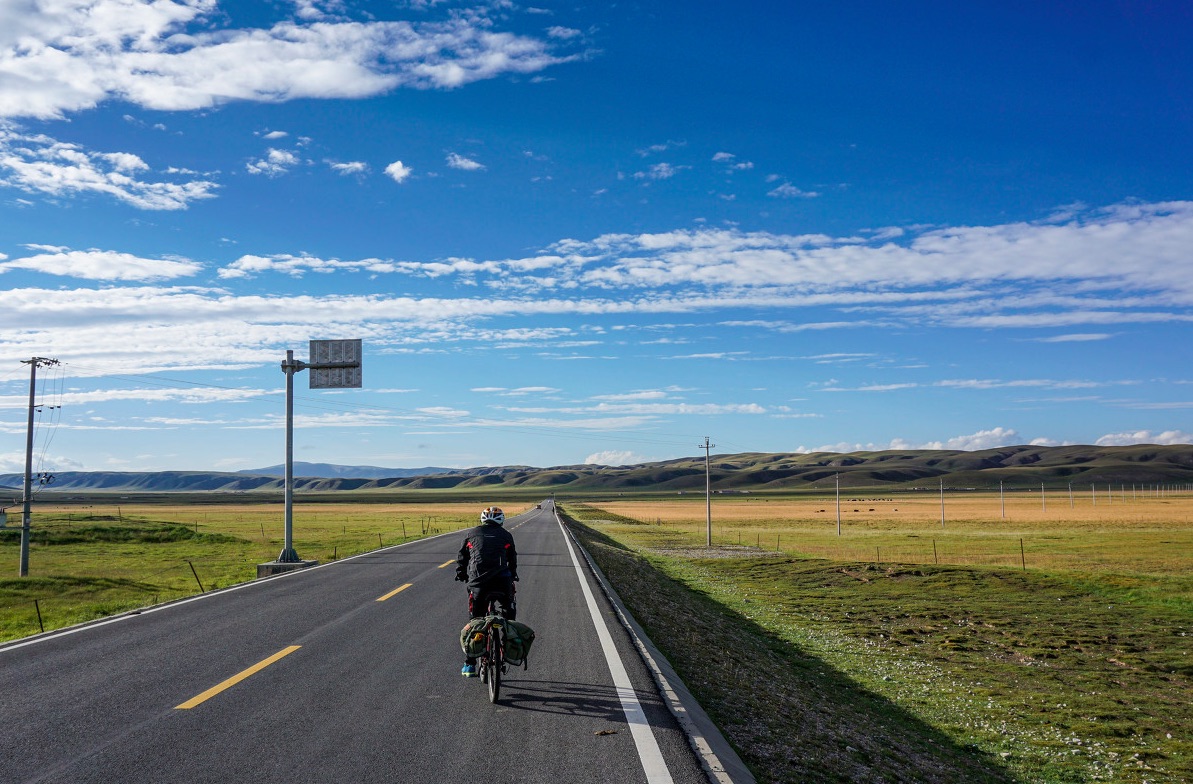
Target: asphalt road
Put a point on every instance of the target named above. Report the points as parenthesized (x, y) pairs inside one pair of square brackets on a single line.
[(359, 689)]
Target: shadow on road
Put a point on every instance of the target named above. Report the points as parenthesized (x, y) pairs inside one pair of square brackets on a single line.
[(571, 699)]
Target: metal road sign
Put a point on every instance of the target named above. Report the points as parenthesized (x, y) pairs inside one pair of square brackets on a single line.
[(335, 364)]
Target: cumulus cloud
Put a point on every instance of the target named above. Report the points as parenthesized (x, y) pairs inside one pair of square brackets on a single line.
[(398, 171), (1145, 437), (104, 265), (983, 439), (36, 163), (457, 161), (274, 164), (175, 55), (615, 458)]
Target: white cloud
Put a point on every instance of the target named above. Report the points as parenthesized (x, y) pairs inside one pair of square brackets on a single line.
[(36, 163), (653, 409), (172, 55), (654, 148), (974, 442), (456, 161), (660, 171), (14, 463), (349, 167), (296, 266), (789, 191), (1114, 262), (646, 394), (1083, 337), (272, 135), (730, 160), (398, 171), (275, 163), (193, 395), (564, 33), (615, 458), (104, 265), (1145, 437)]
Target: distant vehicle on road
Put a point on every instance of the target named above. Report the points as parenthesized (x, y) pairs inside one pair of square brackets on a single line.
[(540, 506)]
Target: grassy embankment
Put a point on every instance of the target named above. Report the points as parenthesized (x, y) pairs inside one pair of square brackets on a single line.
[(860, 658), (88, 562)]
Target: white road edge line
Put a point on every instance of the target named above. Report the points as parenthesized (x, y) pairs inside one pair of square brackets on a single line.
[(648, 748)]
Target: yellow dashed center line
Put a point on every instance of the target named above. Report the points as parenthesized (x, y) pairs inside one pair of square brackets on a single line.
[(447, 563), (235, 679), (395, 591)]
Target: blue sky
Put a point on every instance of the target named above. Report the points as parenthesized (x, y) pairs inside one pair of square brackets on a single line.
[(592, 232)]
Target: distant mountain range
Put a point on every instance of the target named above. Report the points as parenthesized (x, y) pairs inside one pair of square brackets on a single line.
[(330, 471), (1016, 466)]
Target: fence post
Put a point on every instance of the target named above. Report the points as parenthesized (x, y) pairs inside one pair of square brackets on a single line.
[(935, 557), (37, 607), (196, 574), (1022, 557)]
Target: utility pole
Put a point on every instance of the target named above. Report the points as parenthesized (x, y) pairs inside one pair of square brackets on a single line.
[(26, 516), (707, 492), (942, 502), (838, 478)]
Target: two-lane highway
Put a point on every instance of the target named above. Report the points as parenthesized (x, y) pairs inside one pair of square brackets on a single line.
[(344, 672)]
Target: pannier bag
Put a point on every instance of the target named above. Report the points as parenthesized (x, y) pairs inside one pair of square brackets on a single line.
[(518, 639), (472, 637)]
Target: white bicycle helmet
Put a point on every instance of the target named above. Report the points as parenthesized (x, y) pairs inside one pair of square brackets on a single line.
[(493, 514)]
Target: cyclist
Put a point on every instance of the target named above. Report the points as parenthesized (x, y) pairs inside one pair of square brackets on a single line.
[(488, 562)]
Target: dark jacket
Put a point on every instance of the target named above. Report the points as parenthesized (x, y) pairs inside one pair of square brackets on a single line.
[(488, 556)]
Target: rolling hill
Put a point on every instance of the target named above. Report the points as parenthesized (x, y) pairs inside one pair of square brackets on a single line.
[(1016, 466)]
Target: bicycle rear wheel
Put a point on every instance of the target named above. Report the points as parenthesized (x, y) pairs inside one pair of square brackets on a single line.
[(494, 661)]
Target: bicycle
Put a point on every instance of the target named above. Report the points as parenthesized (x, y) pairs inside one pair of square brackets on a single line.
[(492, 662)]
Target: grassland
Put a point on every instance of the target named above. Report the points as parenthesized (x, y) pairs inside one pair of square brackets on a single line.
[(91, 561), (1026, 639), (873, 656)]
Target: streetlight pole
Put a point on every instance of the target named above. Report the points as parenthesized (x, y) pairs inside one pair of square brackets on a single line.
[(290, 367)]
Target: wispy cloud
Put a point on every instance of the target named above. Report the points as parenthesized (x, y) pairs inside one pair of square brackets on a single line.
[(104, 265), (36, 163), (176, 55), (349, 167)]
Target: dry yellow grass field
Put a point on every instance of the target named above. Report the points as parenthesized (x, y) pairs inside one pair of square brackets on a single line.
[(1141, 534)]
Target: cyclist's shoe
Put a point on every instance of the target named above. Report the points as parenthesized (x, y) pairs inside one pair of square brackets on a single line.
[(468, 671)]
